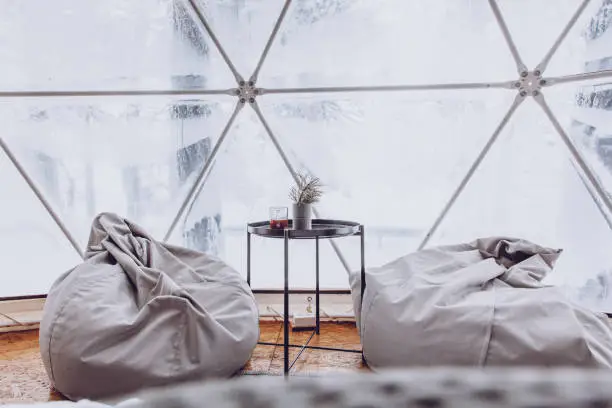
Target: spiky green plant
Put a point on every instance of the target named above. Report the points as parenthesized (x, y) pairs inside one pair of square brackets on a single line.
[(308, 189)]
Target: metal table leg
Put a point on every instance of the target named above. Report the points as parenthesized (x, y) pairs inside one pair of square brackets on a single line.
[(363, 282), (286, 301), (249, 258), (363, 274), (317, 292)]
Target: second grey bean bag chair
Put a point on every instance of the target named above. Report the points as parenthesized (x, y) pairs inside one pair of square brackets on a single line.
[(138, 313), (476, 304)]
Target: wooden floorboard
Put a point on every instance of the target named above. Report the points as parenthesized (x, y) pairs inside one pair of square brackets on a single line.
[(23, 378)]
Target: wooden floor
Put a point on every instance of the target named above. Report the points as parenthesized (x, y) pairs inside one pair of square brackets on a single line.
[(23, 378)]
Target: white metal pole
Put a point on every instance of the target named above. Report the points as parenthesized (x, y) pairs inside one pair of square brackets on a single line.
[(580, 161), (391, 88), (520, 65), (541, 67), (289, 166), (517, 101), (199, 183), (41, 197), (196, 8), (264, 54), (586, 76), (161, 92), (6, 316)]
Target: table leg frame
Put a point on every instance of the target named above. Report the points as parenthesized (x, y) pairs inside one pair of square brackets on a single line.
[(286, 306), (317, 293), (286, 344)]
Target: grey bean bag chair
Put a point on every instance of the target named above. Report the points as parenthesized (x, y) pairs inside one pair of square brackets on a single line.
[(476, 304), (138, 313)]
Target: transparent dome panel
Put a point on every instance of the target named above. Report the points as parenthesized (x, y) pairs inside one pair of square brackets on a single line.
[(243, 28), (585, 111), (535, 26), (247, 178), (587, 45), (135, 157), (527, 187), (370, 42), (34, 250), (390, 161), (106, 44)]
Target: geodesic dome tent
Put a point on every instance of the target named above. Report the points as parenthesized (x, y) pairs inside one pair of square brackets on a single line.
[(429, 122)]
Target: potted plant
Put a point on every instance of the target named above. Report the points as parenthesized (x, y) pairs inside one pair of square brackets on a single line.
[(306, 191)]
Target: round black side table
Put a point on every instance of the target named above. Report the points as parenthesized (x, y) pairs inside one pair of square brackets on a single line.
[(321, 229)]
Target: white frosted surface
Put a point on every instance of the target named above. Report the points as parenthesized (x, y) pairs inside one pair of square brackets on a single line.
[(32, 248), (389, 160)]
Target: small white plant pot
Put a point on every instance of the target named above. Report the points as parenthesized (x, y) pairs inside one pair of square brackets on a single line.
[(302, 216)]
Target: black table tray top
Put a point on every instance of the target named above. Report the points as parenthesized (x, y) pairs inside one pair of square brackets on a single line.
[(320, 229)]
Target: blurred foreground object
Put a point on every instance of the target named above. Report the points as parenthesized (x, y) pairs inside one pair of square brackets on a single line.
[(441, 387)]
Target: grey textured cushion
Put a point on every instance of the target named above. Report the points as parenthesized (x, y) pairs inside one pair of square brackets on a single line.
[(428, 388), (138, 313)]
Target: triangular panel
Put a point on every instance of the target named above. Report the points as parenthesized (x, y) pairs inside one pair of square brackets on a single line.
[(583, 109), (389, 161), (136, 157), (535, 25), (340, 43), (527, 188), (243, 28), (587, 45), (111, 44), (33, 249), (247, 179)]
